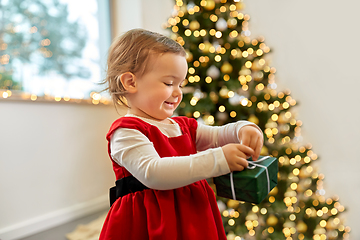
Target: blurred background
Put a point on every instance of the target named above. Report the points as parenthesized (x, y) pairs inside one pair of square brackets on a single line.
[(54, 166)]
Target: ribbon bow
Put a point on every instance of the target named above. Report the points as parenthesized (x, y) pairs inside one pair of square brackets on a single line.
[(252, 165)]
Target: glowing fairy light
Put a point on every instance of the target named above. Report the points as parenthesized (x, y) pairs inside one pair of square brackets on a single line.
[(244, 102), (196, 114)]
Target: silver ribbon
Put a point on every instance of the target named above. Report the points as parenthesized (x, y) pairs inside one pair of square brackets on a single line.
[(252, 165)]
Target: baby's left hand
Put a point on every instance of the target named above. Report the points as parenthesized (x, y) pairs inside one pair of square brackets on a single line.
[(250, 136)]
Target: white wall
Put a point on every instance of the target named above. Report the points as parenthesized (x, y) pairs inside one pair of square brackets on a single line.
[(145, 14), (54, 165), (315, 51)]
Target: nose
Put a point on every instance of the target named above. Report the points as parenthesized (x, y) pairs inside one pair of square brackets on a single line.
[(177, 91)]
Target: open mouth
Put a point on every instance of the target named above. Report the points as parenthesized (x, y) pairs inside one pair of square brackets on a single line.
[(171, 104)]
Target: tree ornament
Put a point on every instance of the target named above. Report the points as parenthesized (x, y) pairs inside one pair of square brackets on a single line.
[(258, 75), (307, 183), (174, 12), (198, 94), (189, 56), (214, 97), (301, 227), (289, 224), (331, 224), (319, 230), (216, 45), (209, 119), (290, 193), (282, 119), (194, 25), (253, 119), (284, 128), (226, 67), (213, 72), (230, 236), (240, 6), (190, 5), (300, 187), (224, 92), (256, 66), (264, 151), (245, 71), (274, 191), (235, 100), (222, 116), (303, 173), (209, 5), (233, 203), (207, 47), (183, 9), (272, 220), (252, 216), (221, 206), (221, 24), (232, 23)]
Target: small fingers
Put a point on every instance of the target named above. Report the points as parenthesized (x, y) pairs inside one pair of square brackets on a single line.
[(245, 140), (240, 165), (252, 138), (257, 147), (253, 143), (240, 168), (243, 162), (248, 151)]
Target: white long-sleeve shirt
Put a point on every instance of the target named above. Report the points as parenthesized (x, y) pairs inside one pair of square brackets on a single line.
[(134, 151)]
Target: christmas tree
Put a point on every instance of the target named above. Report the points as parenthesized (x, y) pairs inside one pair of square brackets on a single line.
[(229, 79), (39, 32)]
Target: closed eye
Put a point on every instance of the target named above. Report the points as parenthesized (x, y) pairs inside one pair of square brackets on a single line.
[(183, 84), (168, 84)]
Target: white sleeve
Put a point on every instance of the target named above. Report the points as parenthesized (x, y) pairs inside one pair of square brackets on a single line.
[(133, 150), (217, 136)]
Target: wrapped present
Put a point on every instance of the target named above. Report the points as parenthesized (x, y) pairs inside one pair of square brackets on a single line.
[(252, 184)]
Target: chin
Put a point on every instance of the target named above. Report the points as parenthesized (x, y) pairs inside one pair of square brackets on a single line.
[(169, 115), (162, 117)]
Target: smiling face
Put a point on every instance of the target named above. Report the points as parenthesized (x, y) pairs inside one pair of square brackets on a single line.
[(158, 90)]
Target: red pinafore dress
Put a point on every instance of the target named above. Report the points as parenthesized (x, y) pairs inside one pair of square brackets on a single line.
[(185, 213)]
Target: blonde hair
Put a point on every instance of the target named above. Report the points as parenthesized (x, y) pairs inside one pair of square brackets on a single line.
[(130, 53)]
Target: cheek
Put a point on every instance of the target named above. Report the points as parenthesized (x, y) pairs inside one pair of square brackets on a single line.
[(179, 100)]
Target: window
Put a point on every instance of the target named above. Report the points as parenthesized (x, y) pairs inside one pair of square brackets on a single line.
[(53, 48)]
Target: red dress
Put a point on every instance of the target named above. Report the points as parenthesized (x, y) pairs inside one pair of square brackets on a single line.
[(188, 212)]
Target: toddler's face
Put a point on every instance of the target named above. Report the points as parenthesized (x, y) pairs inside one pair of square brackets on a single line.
[(159, 89)]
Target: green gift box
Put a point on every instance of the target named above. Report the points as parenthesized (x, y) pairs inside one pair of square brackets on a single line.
[(252, 184)]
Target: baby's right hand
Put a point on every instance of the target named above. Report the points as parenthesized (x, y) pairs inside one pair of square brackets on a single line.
[(236, 155)]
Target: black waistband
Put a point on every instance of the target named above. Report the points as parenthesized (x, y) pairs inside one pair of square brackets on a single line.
[(125, 186)]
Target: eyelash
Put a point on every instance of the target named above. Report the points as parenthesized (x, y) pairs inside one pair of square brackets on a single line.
[(170, 84)]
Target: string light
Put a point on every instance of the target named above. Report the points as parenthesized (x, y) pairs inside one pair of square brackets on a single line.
[(95, 98), (302, 179)]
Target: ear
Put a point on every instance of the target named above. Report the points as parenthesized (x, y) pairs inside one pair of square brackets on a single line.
[(128, 80)]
